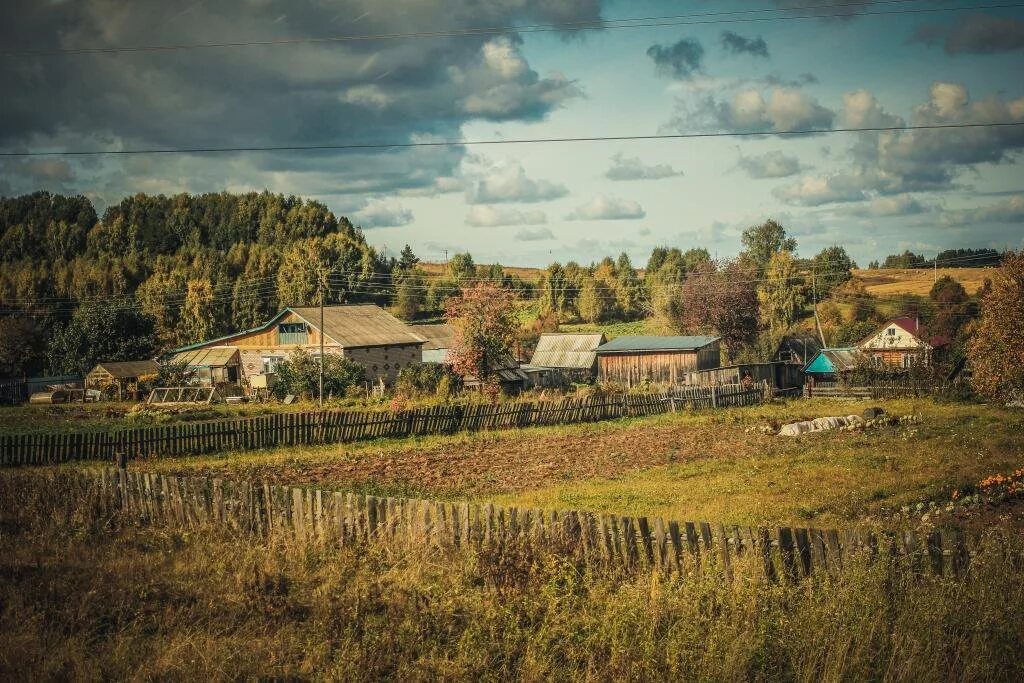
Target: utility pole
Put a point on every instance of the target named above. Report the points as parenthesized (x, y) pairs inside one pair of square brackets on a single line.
[(936, 269), (814, 290), (322, 278)]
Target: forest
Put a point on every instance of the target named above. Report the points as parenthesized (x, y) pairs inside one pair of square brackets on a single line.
[(156, 272)]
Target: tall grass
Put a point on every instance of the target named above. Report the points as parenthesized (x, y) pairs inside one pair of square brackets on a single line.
[(85, 595)]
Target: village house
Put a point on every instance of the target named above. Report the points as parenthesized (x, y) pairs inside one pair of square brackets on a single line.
[(561, 359), (900, 344), (364, 333), (633, 360)]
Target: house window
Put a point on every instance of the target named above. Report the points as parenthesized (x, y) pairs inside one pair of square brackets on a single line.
[(891, 331), (293, 333), (270, 363), (908, 360)]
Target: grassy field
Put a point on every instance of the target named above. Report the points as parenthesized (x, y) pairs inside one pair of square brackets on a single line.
[(919, 281), (701, 465), (85, 596)]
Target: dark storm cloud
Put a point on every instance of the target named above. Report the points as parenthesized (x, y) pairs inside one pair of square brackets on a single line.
[(372, 91), (977, 34), (680, 60), (738, 45)]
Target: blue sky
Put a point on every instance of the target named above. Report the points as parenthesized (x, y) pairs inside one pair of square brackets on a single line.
[(875, 193)]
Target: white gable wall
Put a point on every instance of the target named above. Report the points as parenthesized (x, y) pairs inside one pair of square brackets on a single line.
[(893, 337)]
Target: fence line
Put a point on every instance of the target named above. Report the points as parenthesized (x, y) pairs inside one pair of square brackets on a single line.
[(325, 427), (875, 389), (594, 539)]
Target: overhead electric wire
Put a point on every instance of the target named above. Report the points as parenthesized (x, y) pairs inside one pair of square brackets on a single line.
[(341, 147), (693, 19)]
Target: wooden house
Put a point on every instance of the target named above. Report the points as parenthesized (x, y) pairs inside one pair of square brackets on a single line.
[(900, 344), (116, 379), (364, 333), (633, 360), (561, 359)]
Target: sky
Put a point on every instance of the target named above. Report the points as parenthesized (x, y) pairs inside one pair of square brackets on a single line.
[(888, 63)]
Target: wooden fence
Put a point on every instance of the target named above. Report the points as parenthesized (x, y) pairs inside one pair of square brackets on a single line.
[(594, 539), (324, 427), (876, 389)]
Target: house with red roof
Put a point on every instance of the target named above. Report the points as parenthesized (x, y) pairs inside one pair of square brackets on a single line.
[(902, 343)]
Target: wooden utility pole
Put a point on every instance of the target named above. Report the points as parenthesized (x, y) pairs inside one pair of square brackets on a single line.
[(322, 278), (814, 290)]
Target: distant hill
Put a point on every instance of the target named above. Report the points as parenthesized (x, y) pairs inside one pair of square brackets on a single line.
[(890, 281)]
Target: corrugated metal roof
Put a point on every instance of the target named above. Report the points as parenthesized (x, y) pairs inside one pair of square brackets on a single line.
[(122, 369), (215, 357), (506, 368), (360, 325), (567, 350), (651, 343), (438, 336)]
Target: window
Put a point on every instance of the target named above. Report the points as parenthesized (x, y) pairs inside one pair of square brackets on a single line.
[(270, 363), (891, 331), (908, 360), (293, 333)]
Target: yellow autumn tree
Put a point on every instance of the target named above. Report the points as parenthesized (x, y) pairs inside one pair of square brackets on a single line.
[(996, 348)]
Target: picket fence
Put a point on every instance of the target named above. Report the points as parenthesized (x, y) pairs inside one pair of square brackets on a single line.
[(877, 389), (593, 539), (335, 426)]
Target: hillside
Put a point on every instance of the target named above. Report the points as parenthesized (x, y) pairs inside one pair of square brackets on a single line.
[(918, 281)]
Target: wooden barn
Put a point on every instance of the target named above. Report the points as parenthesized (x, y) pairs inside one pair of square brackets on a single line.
[(634, 360), (439, 339), (364, 333), (116, 379)]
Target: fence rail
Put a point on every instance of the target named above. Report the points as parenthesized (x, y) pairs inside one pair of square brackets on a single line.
[(597, 540), (324, 427), (877, 389)]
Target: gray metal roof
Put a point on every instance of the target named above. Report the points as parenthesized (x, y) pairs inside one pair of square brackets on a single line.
[(439, 336), (843, 358), (652, 343), (567, 350), (360, 325), (212, 357)]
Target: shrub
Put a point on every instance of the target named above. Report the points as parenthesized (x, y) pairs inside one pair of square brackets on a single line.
[(426, 379), (300, 375)]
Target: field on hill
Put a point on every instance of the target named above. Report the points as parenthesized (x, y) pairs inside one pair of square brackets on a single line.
[(918, 281)]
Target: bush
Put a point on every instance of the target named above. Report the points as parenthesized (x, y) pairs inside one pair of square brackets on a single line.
[(300, 375), (426, 379)]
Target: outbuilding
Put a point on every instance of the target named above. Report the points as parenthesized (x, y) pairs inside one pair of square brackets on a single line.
[(561, 359), (634, 360), (829, 364), (117, 379)]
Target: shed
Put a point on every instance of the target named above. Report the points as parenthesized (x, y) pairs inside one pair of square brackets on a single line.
[(633, 360), (506, 370), (797, 348), (211, 365), (563, 358), (828, 363), (117, 377)]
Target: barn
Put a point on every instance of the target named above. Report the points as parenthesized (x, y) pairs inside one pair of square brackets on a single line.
[(440, 338), (364, 333), (634, 360)]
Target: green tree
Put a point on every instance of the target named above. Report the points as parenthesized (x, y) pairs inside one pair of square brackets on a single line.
[(300, 375), (407, 260), (832, 266), (410, 294), (593, 301), (461, 267), (951, 308), (101, 331), (764, 240)]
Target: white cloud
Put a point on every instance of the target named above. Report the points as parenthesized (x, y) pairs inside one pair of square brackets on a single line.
[(817, 190), (608, 208), (775, 164), (632, 168), (534, 235), (897, 205), (755, 110), (380, 214), (509, 183), (485, 216), (1010, 210)]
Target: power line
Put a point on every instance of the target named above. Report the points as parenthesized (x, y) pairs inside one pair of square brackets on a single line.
[(515, 141), (696, 19)]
